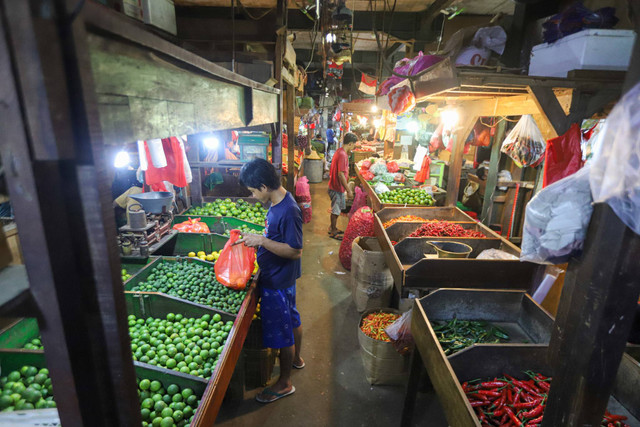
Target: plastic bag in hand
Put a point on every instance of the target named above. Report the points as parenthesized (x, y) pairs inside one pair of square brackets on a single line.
[(525, 144), (615, 168), (400, 333), (557, 219), (235, 264), (192, 226)]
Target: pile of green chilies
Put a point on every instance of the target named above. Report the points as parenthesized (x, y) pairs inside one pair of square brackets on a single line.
[(507, 401), (456, 335), (373, 325)]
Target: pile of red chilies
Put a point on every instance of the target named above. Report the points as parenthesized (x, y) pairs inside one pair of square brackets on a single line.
[(508, 401), (444, 229)]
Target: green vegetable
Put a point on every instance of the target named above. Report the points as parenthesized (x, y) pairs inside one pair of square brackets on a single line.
[(455, 334)]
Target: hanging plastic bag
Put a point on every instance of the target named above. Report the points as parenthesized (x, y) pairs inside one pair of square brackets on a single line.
[(400, 333), (525, 144), (192, 226), (556, 220), (360, 224), (615, 168), (303, 198), (563, 156), (359, 200), (235, 264), (401, 100)]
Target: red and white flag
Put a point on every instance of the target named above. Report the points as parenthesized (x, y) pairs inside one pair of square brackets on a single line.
[(368, 84)]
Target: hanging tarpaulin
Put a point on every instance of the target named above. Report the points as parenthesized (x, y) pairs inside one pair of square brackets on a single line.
[(368, 84)]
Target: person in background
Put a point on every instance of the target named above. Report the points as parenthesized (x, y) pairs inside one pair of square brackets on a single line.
[(124, 179), (318, 144), (338, 180), (331, 134), (279, 253)]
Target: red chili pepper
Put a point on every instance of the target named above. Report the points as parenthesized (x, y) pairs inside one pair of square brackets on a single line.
[(488, 393), (614, 418), (534, 412), (535, 421), (477, 403), (494, 384), (527, 405), (512, 416)]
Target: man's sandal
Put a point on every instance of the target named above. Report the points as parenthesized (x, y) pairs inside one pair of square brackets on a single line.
[(276, 396)]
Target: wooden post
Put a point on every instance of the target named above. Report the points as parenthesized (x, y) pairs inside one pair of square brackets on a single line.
[(193, 155), (597, 308), (290, 99), (455, 165), (492, 178)]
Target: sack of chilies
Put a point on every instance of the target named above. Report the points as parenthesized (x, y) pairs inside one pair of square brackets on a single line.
[(525, 143), (235, 264)]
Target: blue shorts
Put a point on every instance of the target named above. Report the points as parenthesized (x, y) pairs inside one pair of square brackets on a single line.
[(279, 317)]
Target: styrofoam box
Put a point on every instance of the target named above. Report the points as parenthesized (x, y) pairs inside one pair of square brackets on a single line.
[(161, 14), (587, 50)]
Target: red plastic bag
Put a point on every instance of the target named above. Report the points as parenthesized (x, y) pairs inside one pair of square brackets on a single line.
[(393, 167), (425, 170), (365, 165), (563, 156), (235, 264), (360, 224), (367, 175), (399, 177), (303, 198), (436, 143), (192, 226)]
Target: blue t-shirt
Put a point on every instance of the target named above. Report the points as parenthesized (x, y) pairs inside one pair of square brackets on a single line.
[(330, 136), (284, 225)]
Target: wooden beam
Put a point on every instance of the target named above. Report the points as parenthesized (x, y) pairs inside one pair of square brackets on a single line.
[(549, 107), (455, 165), (492, 177), (291, 133)]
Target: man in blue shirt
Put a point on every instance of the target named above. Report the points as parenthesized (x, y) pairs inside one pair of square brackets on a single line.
[(279, 253), (331, 135)]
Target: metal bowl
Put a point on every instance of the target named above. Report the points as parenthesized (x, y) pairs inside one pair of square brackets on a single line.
[(154, 202)]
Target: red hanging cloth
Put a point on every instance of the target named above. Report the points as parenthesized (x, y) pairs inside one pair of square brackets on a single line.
[(173, 172)]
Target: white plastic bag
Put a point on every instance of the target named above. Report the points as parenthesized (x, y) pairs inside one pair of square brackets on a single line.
[(496, 254), (557, 219), (380, 188), (525, 143), (615, 168), (400, 333)]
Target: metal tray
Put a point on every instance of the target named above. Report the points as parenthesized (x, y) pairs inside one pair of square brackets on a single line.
[(410, 268)]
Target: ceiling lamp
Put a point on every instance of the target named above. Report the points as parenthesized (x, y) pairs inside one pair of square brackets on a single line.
[(342, 14)]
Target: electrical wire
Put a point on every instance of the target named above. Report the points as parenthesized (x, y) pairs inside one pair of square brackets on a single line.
[(246, 11), (313, 44)]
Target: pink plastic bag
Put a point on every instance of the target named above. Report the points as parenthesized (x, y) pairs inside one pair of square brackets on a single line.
[(359, 200), (303, 198)]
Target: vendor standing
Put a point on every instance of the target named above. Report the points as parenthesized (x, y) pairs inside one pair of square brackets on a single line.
[(338, 182), (279, 253)]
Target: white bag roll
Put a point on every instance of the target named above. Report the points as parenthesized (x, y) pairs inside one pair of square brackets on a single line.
[(158, 159), (187, 168)]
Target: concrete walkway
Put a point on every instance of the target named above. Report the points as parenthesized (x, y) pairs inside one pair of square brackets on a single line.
[(332, 389)]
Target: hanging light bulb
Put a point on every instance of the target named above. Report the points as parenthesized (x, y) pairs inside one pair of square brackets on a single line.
[(210, 143), (122, 160), (413, 126), (449, 118), (374, 108)]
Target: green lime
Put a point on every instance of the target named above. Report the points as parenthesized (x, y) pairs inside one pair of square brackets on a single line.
[(166, 412), (145, 384), (156, 385), (159, 405), (173, 389), (148, 403), (192, 400), (167, 422), (14, 376)]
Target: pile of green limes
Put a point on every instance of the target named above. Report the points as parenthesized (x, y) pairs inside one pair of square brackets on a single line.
[(26, 388), (166, 407), (125, 276), (185, 344), (194, 282), (34, 344), (226, 207), (407, 196), (244, 229)]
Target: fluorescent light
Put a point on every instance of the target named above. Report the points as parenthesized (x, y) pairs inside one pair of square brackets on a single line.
[(449, 118), (210, 143), (122, 160), (413, 126), (374, 108)]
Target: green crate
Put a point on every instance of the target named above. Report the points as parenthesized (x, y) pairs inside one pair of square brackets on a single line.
[(168, 300), (219, 224), (133, 265), (158, 305), (19, 333), (253, 145), (181, 244)]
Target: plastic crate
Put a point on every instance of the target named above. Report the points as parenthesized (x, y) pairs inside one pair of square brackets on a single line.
[(253, 146)]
